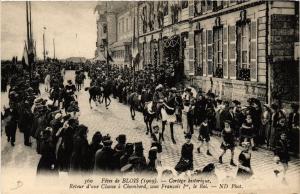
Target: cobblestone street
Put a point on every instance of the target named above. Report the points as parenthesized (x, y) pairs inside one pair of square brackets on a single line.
[(116, 120)]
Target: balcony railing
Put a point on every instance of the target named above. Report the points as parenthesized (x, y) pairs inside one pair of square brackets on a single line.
[(243, 74), (218, 72)]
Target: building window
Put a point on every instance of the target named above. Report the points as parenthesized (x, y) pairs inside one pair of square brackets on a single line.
[(126, 24), (243, 45), (217, 5), (144, 19), (184, 4), (218, 52), (198, 7), (203, 6), (199, 53), (166, 8), (209, 5)]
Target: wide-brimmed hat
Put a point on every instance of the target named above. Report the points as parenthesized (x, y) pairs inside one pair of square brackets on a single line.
[(246, 144), (38, 101), (173, 89), (159, 87), (106, 137), (121, 138), (58, 116), (227, 121), (107, 142)]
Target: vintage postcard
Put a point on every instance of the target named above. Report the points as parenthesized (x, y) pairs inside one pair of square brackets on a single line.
[(198, 96)]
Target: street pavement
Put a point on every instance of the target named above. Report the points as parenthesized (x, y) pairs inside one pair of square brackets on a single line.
[(116, 120)]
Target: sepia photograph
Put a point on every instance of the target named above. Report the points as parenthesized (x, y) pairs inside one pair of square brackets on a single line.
[(198, 96)]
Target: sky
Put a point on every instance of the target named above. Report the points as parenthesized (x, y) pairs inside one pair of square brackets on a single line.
[(71, 24)]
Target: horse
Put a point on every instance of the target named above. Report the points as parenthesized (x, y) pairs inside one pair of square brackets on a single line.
[(149, 113), (47, 82), (134, 103), (95, 93)]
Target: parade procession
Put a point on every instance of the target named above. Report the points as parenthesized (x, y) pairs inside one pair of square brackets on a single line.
[(172, 89)]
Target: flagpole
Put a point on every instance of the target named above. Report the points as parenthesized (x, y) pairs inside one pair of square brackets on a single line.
[(107, 61), (53, 48), (133, 42), (44, 52), (28, 26)]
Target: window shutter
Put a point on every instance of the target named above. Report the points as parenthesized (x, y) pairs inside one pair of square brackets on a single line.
[(215, 51), (204, 53), (253, 51), (232, 51), (191, 54), (225, 52), (191, 8), (209, 52)]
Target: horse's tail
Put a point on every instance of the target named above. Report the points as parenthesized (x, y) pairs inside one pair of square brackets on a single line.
[(87, 88)]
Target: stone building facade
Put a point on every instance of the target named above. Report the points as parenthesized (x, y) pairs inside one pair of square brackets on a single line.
[(119, 21), (236, 49)]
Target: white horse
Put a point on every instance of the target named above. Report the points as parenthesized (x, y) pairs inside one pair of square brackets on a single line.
[(47, 83)]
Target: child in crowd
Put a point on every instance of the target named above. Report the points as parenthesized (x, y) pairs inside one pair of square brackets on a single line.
[(204, 136), (247, 131), (228, 142), (281, 153)]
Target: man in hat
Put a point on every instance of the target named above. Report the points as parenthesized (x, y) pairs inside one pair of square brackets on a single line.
[(70, 88), (11, 118), (152, 156), (138, 159), (293, 123), (104, 157), (129, 148), (25, 122), (119, 150), (277, 114)]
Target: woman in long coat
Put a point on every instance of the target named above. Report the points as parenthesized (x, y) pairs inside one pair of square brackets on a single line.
[(65, 148), (47, 163), (79, 160)]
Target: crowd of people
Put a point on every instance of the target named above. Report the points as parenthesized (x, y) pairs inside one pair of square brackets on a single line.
[(62, 140)]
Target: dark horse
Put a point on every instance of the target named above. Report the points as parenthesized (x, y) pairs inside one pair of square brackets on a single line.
[(95, 94), (134, 103), (148, 109)]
